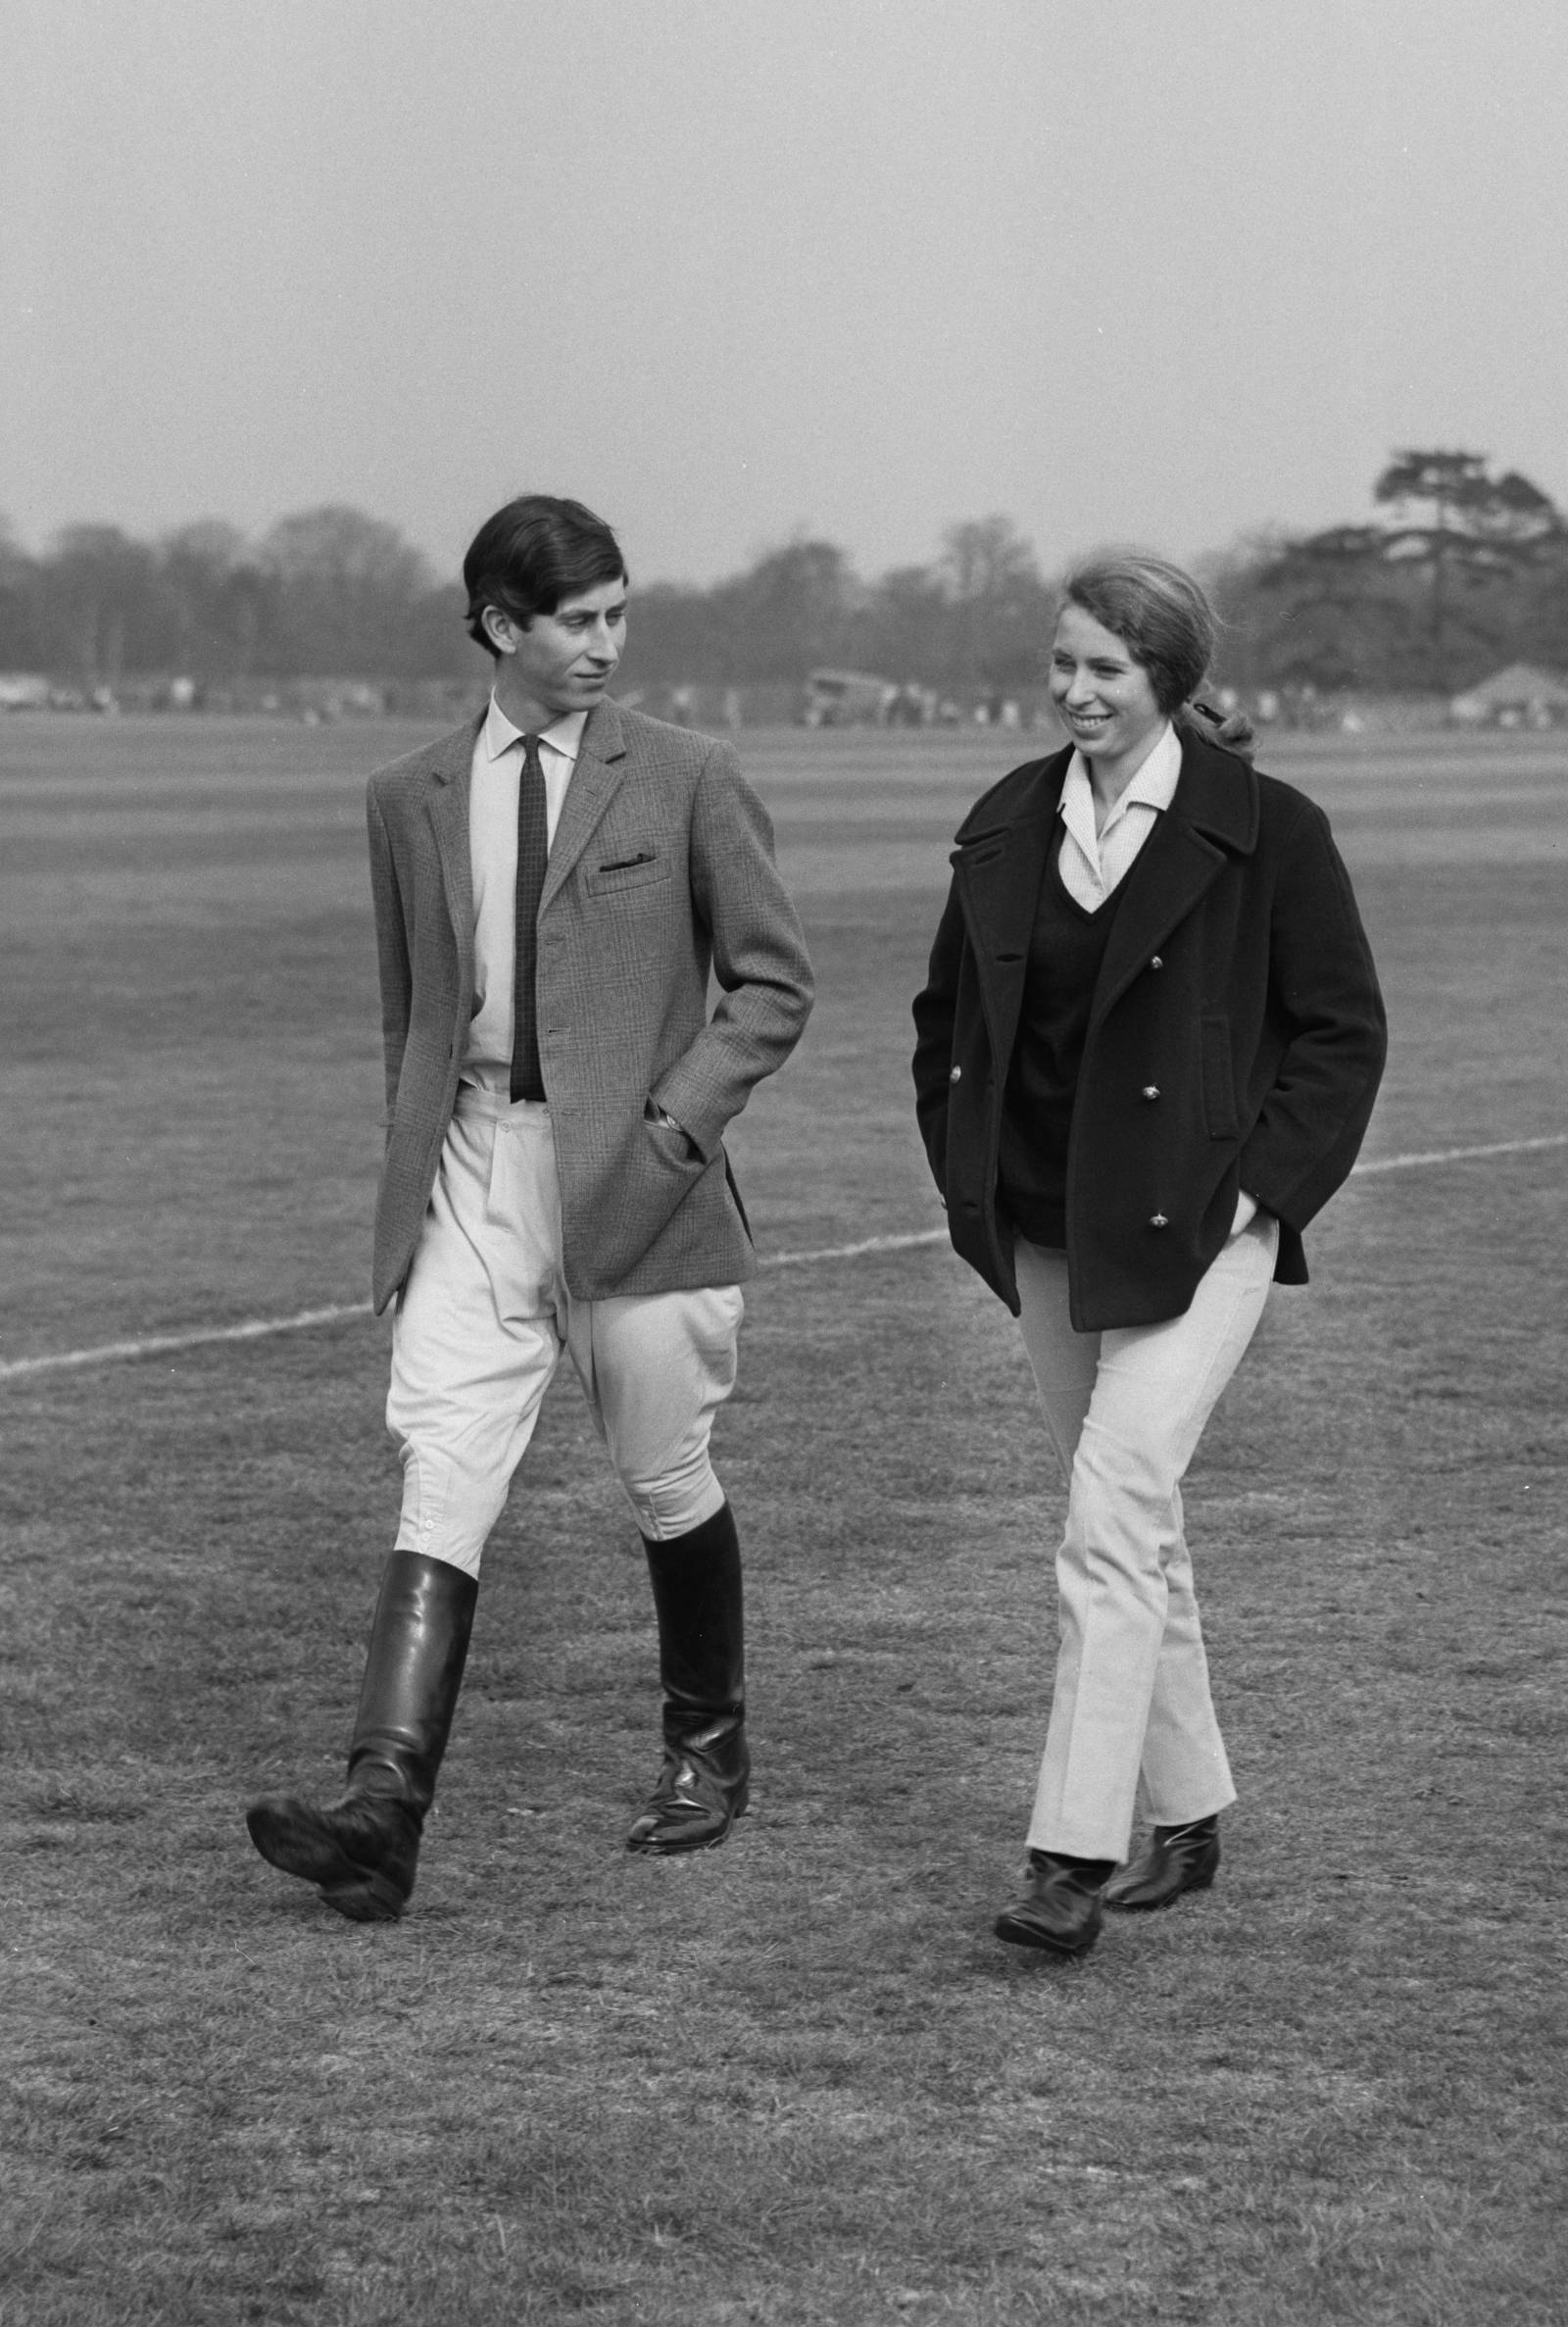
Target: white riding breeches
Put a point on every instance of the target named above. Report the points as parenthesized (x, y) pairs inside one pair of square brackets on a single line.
[(481, 1325)]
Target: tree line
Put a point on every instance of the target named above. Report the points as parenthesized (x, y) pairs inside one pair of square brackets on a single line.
[(1458, 570), (330, 592)]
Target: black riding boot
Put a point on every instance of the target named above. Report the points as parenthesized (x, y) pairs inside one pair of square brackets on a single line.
[(363, 1851), (702, 1789)]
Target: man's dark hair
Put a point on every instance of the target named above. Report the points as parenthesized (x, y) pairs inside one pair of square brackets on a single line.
[(531, 554)]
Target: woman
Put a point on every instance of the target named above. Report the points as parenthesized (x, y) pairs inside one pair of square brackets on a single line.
[(1147, 1053)]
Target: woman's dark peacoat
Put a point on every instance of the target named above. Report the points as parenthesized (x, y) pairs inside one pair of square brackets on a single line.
[(1236, 1038)]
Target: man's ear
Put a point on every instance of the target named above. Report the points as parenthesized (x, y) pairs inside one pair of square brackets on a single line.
[(500, 628)]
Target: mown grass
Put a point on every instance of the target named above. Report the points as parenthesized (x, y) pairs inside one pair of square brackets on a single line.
[(795, 2080)]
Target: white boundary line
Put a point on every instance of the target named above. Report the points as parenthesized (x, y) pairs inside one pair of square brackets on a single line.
[(157, 1345), (1500, 1147), (853, 1251)]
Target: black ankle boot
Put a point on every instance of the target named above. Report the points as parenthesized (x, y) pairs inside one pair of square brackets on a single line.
[(702, 1789), (363, 1852), (1058, 1907), (1174, 1859)]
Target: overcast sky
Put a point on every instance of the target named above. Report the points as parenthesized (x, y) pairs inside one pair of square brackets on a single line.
[(1170, 270)]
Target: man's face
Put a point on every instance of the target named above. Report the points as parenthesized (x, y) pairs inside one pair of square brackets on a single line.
[(564, 660)]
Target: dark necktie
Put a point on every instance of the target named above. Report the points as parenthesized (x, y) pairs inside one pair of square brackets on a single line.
[(534, 851)]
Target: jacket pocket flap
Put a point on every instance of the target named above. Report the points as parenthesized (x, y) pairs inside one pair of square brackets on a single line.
[(631, 871)]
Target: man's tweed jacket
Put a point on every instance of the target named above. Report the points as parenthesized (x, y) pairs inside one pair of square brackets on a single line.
[(661, 871)]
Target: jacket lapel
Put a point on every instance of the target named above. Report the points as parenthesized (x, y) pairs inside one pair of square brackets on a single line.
[(595, 781), (1212, 817), (448, 808), (1000, 861)]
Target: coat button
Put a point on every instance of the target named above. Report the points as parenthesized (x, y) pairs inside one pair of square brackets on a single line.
[(957, 1075), (1150, 1090), (1159, 1221), (1157, 962)]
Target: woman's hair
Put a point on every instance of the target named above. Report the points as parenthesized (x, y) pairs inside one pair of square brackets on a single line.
[(531, 554), (1158, 613), (1166, 624)]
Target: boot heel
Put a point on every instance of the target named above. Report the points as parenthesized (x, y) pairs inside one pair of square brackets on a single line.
[(370, 1899)]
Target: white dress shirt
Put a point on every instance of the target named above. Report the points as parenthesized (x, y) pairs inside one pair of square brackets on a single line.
[(494, 774), (1094, 865)]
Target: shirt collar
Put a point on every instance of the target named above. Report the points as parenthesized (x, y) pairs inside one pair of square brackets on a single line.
[(563, 735), (1153, 787)]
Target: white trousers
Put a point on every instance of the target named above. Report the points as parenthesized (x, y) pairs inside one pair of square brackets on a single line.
[(480, 1326), (1125, 1411)]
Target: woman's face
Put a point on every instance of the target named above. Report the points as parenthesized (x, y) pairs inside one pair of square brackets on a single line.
[(1104, 698)]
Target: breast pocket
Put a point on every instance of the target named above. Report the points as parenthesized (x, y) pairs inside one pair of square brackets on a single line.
[(1219, 1080), (633, 868)]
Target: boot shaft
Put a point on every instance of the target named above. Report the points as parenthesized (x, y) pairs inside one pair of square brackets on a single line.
[(699, 1602), (412, 1677)]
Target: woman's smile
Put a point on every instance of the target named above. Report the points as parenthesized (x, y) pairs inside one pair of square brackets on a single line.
[(1102, 696)]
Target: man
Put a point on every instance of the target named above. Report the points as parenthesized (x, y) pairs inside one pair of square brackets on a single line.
[(553, 885)]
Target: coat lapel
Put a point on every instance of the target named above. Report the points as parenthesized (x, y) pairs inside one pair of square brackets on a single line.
[(595, 781), (999, 864), (1212, 817), (448, 808)]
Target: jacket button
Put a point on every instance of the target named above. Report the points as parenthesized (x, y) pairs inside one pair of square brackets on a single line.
[(1157, 962), (1159, 1221), (956, 1075), (1150, 1090)]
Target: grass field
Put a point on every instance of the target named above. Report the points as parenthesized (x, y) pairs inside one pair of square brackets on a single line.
[(796, 2080)]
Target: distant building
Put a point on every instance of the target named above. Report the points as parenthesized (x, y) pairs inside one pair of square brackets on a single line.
[(1521, 696)]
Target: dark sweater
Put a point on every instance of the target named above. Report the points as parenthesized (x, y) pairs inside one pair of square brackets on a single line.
[(1065, 951)]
